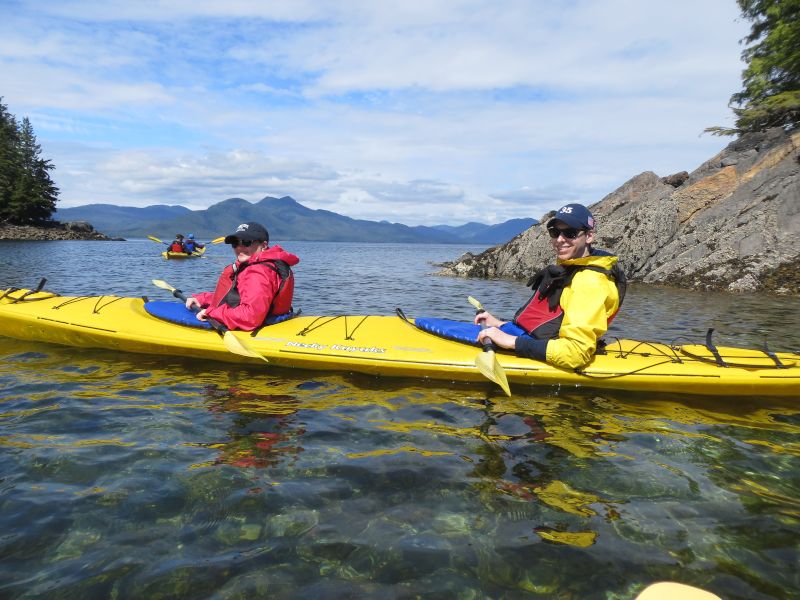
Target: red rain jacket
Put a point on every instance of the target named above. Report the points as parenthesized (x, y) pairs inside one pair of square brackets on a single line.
[(256, 294)]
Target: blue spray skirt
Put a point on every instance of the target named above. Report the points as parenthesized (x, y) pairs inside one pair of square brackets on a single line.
[(459, 330), (176, 312)]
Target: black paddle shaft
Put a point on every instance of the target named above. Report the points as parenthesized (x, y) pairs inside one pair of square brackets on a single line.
[(179, 295), (195, 309), (488, 345)]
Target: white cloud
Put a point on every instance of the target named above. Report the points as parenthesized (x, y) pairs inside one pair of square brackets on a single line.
[(422, 112)]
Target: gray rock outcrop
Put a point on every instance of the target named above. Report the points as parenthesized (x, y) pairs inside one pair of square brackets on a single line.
[(76, 230), (731, 224)]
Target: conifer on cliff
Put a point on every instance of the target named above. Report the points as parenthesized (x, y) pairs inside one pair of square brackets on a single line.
[(771, 94)]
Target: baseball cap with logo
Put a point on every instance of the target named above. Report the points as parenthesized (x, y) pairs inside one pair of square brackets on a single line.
[(248, 232), (574, 215)]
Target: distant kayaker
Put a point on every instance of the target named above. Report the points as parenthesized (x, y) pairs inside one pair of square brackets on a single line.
[(574, 300), (178, 245), (259, 284), (191, 245)]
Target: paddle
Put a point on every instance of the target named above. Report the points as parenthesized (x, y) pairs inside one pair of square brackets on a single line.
[(232, 343), (218, 240), (486, 361)]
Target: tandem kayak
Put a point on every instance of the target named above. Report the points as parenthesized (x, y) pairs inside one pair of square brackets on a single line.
[(392, 346), (179, 255)]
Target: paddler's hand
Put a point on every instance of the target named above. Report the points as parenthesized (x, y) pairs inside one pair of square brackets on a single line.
[(191, 301), (201, 315), (499, 337), (487, 319)]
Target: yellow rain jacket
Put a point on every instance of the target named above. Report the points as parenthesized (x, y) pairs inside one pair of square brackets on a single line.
[(589, 302)]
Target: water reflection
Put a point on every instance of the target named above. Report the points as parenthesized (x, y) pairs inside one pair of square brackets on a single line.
[(263, 430)]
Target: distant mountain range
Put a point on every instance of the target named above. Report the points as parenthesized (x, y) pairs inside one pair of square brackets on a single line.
[(284, 218)]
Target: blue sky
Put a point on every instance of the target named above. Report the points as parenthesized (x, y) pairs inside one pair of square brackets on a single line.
[(417, 112)]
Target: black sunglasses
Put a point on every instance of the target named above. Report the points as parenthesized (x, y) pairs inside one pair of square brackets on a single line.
[(569, 233), (234, 242)]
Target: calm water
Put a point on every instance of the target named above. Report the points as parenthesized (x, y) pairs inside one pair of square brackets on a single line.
[(127, 476)]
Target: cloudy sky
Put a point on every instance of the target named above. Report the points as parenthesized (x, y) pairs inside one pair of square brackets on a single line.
[(413, 111)]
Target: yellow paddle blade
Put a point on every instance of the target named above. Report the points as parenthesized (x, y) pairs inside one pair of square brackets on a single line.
[(478, 306), (669, 590), (218, 240), (155, 239), (489, 367), (163, 285), (235, 345)]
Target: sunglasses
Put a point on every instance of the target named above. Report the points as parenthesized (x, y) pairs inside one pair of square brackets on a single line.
[(245, 244), (569, 233)]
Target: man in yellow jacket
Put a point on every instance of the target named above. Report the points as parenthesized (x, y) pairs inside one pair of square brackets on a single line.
[(573, 302)]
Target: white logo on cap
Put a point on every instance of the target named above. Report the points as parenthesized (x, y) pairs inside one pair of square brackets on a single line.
[(565, 209), (242, 227)]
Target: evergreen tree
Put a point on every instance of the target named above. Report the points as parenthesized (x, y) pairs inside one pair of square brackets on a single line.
[(9, 159), (27, 193), (771, 94), (34, 197)]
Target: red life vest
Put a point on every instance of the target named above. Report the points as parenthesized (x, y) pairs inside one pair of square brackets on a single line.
[(176, 247), (541, 315), (226, 291)]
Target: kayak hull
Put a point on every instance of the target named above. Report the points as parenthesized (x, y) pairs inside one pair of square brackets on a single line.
[(167, 255), (388, 346)]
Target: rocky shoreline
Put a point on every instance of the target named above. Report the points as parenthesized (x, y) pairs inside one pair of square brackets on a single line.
[(729, 225), (53, 231)]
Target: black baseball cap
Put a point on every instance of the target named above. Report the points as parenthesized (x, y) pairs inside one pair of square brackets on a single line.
[(249, 232)]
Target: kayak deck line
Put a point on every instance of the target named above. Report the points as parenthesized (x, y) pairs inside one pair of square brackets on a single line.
[(82, 325), (641, 373)]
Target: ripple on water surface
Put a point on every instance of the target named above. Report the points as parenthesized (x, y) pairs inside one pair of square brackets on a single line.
[(132, 476)]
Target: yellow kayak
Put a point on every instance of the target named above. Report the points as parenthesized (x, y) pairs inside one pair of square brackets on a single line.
[(391, 346), (180, 255)]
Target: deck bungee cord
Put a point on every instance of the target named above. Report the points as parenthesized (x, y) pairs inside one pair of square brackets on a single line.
[(27, 293), (348, 336), (656, 346), (98, 305)]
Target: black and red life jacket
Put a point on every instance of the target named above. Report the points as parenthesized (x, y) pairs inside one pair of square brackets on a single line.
[(281, 302), (541, 315)]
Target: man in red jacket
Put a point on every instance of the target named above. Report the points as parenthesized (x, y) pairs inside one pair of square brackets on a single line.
[(257, 286), (178, 245)]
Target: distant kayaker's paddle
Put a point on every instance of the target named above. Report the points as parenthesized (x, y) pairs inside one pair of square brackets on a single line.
[(232, 343), (486, 361), (218, 240)]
